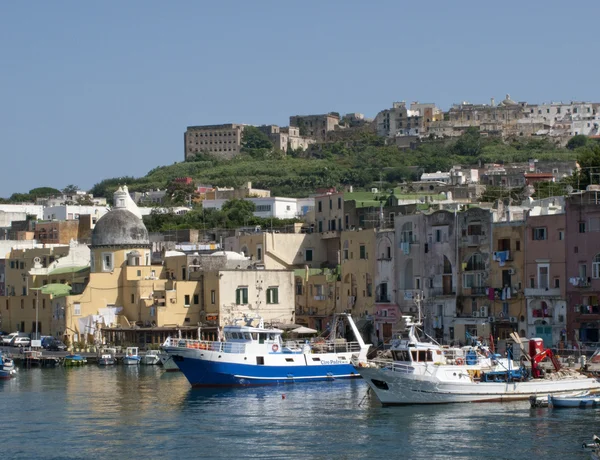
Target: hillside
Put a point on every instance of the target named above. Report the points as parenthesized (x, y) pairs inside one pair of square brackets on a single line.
[(360, 162)]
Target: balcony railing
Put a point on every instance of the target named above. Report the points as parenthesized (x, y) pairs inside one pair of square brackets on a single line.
[(383, 299), (478, 290), (440, 291), (542, 292)]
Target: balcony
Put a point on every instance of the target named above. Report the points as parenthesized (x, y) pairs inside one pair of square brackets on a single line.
[(545, 313), (542, 292), (328, 235), (383, 299), (581, 282), (474, 240), (440, 292), (476, 290)]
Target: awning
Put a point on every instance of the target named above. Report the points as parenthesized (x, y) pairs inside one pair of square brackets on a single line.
[(303, 330)]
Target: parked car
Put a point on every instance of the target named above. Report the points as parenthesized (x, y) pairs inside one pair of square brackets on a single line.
[(21, 342), (56, 345), (47, 340), (8, 339)]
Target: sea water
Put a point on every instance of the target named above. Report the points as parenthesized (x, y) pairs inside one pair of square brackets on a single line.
[(123, 412)]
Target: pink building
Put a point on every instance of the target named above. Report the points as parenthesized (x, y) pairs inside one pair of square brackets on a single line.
[(583, 265), (545, 276)]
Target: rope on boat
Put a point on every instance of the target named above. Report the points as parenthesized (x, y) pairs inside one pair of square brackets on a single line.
[(365, 396)]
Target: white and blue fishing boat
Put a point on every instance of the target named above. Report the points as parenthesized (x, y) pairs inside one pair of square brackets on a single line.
[(7, 367), (131, 356), (256, 355)]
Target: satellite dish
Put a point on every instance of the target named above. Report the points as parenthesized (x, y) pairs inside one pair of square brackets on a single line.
[(569, 189), (37, 260)]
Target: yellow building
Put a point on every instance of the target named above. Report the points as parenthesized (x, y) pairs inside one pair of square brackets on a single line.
[(358, 272), (507, 269), (317, 296)]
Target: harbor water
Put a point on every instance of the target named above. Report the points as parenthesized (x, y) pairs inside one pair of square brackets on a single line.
[(143, 412)]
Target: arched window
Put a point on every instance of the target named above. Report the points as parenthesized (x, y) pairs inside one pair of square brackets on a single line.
[(407, 233), (596, 267), (475, 263)]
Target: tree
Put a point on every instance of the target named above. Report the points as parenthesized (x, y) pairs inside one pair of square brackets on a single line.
[(253, 138), (181, 193), (238, 212), (70, 189), (577, 141), (42, 192)]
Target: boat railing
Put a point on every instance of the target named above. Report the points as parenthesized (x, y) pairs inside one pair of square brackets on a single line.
[(394, 366), (335, 347), (221, 347)]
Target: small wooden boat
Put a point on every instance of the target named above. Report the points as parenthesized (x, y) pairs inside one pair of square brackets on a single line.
[(74, 360), (106, 359), (151, 358), (131, 356), (582, 401)]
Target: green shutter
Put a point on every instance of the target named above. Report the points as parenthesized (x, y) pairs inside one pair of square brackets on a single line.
[(245, 295), (237, 296), (275, 295)]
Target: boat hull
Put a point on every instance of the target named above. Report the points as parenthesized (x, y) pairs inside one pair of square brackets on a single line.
[(131, 361), (581, 402), (215, 369), (394, 388)]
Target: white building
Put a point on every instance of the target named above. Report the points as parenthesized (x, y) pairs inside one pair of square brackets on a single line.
[(267, 207), (27, 208), (72, 212), (436, 177)]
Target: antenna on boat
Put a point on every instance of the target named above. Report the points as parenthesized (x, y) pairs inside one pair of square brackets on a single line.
[(418, 299)]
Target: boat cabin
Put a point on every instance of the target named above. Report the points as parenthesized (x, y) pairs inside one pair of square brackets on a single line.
[(131, 351), (252, 335)]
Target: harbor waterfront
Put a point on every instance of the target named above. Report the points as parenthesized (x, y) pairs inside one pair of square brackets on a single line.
[(120, 411)]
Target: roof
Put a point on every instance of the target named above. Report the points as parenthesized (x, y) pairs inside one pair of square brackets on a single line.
[(55, 289), (120, 227), (68, 270)]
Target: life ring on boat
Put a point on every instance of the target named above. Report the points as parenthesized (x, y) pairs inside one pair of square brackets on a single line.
[(459, 361), (275, 347)]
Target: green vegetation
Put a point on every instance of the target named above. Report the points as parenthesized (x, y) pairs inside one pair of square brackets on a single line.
[(363, 161), (234, 213)]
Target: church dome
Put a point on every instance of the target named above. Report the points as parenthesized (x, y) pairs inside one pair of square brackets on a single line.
[(120, 227)]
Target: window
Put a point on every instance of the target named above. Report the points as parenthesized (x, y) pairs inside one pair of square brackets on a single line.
[(272, 295), (186, 300), (474, 229), (471, 280), (581, 227), (259, 252), (539, 233), (308, 255), (339, 202), (213, 297), (583, 271), (556, 283), (320, 206), (320, 226), (363, 251), (132, 298), (594, 224), (596, 267), (298, 287), (263, 208), (196, 299), (475, 263), (107, 261), (241, 295), (561, 235), (517, 245), (543, 272), (330, 204), (346, 250), (77, 309)]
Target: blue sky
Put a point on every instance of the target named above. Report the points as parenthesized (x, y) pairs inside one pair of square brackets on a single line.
[(92, 90)]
